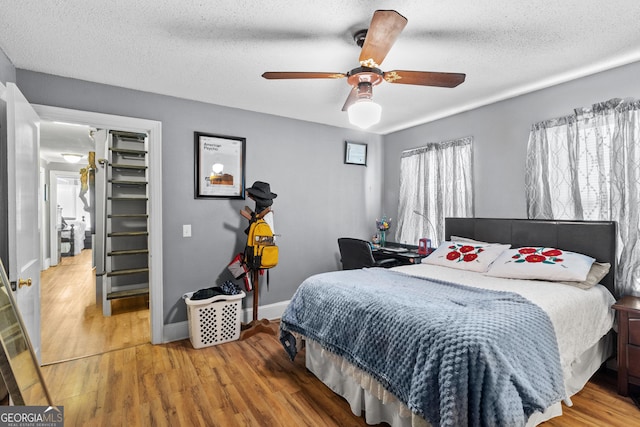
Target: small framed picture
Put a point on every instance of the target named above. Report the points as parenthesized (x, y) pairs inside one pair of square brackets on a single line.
[(355, 153), (219, 166)]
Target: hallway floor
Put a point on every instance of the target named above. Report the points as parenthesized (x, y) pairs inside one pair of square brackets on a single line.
[(72, 325)]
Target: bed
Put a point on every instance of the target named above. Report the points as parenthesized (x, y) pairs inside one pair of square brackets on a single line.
[(489, 350), (72, 237)]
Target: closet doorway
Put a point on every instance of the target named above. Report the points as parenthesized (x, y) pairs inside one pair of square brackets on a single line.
[(72, 322), (88, 331)]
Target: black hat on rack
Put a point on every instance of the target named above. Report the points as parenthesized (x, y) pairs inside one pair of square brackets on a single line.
[(261, 190)]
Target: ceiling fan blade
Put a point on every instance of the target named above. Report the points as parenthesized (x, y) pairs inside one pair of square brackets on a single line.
[(277, 75), (353, 96), (386, 26), (424, 78)]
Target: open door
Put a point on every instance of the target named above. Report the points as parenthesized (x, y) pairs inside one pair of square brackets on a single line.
[(23, 146)]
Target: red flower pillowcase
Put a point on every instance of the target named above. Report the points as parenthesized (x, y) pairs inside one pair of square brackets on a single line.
[(541, 263), (471, 256)]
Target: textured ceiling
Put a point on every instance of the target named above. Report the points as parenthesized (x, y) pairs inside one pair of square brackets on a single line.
[(216, 51)]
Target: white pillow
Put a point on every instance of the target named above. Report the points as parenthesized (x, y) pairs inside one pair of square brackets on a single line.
[(466, 255), (596, 274), (541, 263), (469, 240)]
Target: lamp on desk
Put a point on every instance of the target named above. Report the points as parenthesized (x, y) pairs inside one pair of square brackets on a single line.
[(424, 244)]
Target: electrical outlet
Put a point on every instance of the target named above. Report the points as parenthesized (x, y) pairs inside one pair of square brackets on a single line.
[(186, 230)]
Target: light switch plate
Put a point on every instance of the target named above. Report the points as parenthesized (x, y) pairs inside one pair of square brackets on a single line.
[(186, 230)]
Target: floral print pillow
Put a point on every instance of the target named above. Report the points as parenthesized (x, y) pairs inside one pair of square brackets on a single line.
[(541, 263), (466, 255)]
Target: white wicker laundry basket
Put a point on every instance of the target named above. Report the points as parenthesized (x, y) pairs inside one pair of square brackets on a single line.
[(214, 320)]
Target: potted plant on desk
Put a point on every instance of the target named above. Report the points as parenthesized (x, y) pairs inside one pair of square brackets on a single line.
[(383, 226)]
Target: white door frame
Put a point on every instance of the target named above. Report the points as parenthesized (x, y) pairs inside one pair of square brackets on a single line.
[(44, 261), (154, 130)]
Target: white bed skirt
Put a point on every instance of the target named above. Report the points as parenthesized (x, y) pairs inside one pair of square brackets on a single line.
[(368, 398)]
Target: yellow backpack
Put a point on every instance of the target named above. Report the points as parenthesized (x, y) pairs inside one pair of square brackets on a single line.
[(261, 251)]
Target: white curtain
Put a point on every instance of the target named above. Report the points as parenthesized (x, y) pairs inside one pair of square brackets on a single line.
[(435, 182), (587, 167)]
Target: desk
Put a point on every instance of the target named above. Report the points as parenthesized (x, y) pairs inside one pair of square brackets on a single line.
[(404, 258)]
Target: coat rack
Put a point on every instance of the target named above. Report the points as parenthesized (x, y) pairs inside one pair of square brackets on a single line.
[(263, 325)]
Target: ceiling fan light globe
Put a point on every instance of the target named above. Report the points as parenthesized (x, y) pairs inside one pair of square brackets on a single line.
[(364, 113)]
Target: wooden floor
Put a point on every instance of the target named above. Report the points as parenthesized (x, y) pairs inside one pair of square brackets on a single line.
[(243, 383), (73, 325)]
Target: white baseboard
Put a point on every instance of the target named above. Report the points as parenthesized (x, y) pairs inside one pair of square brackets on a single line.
[(175, 331), (180, 330), (271, 311)]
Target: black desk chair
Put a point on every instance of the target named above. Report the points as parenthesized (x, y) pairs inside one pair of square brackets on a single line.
[(356, 253)]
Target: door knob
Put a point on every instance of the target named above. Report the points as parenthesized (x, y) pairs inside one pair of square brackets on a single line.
[(22, 282)]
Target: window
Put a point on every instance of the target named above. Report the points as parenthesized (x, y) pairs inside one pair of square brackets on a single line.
[(435, 182), (575, 159), (587, 167)]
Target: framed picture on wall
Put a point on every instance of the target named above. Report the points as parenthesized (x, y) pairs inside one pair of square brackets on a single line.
[(355, 153), (219, 166)]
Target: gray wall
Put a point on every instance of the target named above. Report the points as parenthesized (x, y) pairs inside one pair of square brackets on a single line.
[(501, 133), (319, 197), (7, 74)]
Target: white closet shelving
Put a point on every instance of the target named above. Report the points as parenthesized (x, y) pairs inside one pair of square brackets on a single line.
[(127, 219)]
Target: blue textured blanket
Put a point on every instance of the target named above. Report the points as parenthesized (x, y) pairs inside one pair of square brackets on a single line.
[(455, 355)]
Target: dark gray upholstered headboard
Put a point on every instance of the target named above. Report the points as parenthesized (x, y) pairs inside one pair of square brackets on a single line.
[(596, 239)]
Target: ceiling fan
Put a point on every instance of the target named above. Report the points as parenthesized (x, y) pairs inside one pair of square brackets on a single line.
[(385, 27)]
